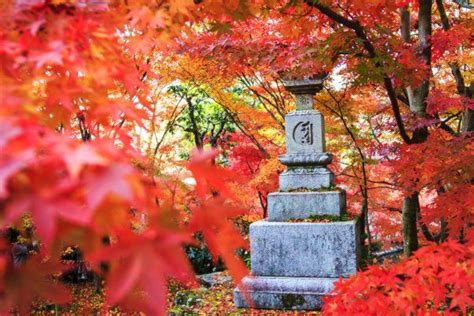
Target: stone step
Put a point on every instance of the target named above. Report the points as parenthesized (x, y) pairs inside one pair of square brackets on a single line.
[(283, 292), (283, 206), (327, 250)]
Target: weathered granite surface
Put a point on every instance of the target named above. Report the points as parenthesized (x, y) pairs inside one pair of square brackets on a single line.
[(304, 102), (283, 292), (214, 278), (304, 132), (310, 178), (283, 206), (325, 250), (304, 86), (306, 159)]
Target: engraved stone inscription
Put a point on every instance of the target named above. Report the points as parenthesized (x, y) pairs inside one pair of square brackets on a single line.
[(303, 133), (304, 102)]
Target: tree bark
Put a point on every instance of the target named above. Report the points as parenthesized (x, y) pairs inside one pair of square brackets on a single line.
[(198, 137), (418, 107), (406, 36), (410, 231), (468, 117), (424, 45)]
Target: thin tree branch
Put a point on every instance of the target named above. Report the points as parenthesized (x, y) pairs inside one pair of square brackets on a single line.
[(359, 31)]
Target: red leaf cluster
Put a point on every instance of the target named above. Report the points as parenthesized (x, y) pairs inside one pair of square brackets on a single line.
[(437, 279), (73, 89), (442, 164)]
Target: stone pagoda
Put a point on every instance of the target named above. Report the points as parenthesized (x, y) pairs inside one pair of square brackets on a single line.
[(294, 263)]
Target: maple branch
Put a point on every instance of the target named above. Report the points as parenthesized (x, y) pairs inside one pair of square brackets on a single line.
[(396, 109), (263, 205), (424, 46), (236, 120), (442, 14), (379, 188), (276, 99), (374, 135), (215, 137), (363, 186), (455, 70), (449, 118), (444, 126), (391, 185), (86, 134), (359, 31), (262, 99), (194, 128), (403, 99), (439, 237), (60, 128), (280, 93), (174, 116), (233, 116), (426, 232)]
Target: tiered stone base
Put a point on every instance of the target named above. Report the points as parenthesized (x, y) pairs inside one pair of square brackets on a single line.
[(283, 292), (294, 265)]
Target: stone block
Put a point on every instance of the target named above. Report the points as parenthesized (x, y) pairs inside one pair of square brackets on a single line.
[(283, 206), (309, 178), (325, 250), (283, 292), (306, 159), (304, 132)]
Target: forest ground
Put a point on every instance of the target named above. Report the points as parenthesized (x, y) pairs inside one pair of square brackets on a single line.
[(214, 300)]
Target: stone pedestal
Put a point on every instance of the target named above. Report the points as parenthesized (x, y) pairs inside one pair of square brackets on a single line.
[(294, 264), (327, 250), (309, 178), (284, 206)]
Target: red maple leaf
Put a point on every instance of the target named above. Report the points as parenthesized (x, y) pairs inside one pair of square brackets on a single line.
[(116, 179), (30, 281), (214, 213), (141, 265)]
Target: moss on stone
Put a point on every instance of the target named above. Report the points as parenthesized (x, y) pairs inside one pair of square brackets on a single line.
[(322, 219), (322, 189), (292, 300)]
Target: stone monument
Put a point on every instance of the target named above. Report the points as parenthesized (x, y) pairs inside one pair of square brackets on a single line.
[(294, 263)]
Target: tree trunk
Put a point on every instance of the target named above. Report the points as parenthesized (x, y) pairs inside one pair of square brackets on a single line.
[(409, 214), (405, 34), (468, 117), (418, 107), (198, 137)]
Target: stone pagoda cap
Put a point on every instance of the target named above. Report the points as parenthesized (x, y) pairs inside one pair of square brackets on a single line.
[(307, 85)]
